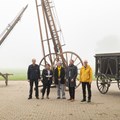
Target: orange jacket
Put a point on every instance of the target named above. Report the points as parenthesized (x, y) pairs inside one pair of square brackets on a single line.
[(86, 74)]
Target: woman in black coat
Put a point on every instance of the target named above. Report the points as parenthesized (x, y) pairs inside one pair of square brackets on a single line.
[(47, 76)]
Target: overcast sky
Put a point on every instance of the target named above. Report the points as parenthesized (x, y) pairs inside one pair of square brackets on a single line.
[(89, 27)]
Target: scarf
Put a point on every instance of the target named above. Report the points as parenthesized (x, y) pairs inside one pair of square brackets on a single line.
[(59, 70)]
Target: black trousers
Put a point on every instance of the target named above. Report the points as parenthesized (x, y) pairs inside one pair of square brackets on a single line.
[(84, 84), (31, 88), (72, 92), (46, 86)]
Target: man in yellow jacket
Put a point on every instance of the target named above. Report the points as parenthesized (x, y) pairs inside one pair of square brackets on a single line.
[(86, 80)]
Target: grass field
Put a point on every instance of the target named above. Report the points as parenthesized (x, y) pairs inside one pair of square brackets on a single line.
[(18, 74)]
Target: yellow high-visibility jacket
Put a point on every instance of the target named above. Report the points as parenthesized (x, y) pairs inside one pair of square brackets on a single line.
[(86, 74)]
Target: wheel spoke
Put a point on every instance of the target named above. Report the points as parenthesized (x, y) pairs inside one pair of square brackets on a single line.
[(66, 59), (52, 58), (103, 89), (42, 65), (78, 63), (71, 56), (75, 59), (101, 86)]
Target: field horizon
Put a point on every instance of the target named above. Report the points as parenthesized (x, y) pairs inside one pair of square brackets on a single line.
[(18, 74)]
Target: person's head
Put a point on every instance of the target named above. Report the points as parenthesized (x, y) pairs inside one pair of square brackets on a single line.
[(33, 61), (71, 62), (47, 66), (58, 64), (85, 63)]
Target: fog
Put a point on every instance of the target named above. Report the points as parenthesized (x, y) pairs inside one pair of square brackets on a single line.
[(89, 27)]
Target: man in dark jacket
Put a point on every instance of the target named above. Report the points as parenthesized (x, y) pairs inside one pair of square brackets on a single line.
[(71, 74), (59, 76), (33, 77)]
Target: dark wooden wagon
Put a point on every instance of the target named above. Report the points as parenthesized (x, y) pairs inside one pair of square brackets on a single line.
[(107, 70)]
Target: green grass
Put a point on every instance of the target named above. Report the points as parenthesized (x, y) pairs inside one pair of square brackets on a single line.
[(18, 74)]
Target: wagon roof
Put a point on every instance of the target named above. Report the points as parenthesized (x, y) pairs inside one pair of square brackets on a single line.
[(107, 54)]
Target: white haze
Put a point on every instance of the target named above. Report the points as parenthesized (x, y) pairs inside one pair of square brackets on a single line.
[(89, 27)]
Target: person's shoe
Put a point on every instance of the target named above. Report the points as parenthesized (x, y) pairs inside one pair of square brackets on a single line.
[(83, 100), (63, 97), (69, 99), (72, 100), (47, 97), (42, 97), (37, 97), (58, 97), (89, 101), (29, 98)]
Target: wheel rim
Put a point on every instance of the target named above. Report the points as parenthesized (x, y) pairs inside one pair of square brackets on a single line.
[(77, 62), (102, 84), (67, 55), (47, 58)]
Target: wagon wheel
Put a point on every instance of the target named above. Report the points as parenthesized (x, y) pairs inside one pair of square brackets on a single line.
[(103, 83), (118, 84), (47, 59), (67, 56)]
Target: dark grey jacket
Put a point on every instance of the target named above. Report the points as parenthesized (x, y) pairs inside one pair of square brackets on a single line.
[(33, 72), (71, 73)]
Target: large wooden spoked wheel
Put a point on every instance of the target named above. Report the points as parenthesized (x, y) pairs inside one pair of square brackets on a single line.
[(68, 55), (103, 83), (48, 60)]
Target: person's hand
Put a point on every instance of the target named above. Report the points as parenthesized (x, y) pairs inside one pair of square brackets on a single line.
[(28, 80), (66, 80), (72, 80), (59, 79), (90, 83)]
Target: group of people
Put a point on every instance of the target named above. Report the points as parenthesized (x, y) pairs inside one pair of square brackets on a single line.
[(62, 77)]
